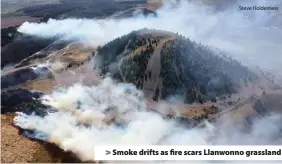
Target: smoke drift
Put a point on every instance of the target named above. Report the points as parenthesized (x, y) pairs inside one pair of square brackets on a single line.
[(116, 113), (246, 35)]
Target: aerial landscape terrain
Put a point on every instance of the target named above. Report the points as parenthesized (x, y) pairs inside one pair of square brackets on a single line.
[(81, 73)]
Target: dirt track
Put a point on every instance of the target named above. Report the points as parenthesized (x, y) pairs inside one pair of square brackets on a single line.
[(154, 66)]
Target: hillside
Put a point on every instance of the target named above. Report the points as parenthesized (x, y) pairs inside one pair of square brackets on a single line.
[(60, 97), (42, 11), (21, 87), (163, 64), (22, 46), (73, 9), (160, 63)]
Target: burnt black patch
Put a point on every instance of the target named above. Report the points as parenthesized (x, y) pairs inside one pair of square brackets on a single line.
[(22, 100)]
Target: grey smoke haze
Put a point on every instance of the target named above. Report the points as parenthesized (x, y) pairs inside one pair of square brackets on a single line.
[(80, 122), (83, 112), (246, 35)]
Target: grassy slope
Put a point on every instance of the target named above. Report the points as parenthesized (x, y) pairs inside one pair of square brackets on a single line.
[(187, 68)]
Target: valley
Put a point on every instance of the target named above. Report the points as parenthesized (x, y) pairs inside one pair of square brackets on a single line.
[(61, 95)]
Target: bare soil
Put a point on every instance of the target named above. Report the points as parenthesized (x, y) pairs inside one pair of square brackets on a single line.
[(19, 149)]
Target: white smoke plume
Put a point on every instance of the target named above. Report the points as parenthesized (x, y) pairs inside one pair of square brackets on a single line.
[(116, 114), (246, 35)]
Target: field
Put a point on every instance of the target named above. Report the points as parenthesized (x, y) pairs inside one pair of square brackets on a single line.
[(17, 20), (160, 63), (8, 6), (19, 149)]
